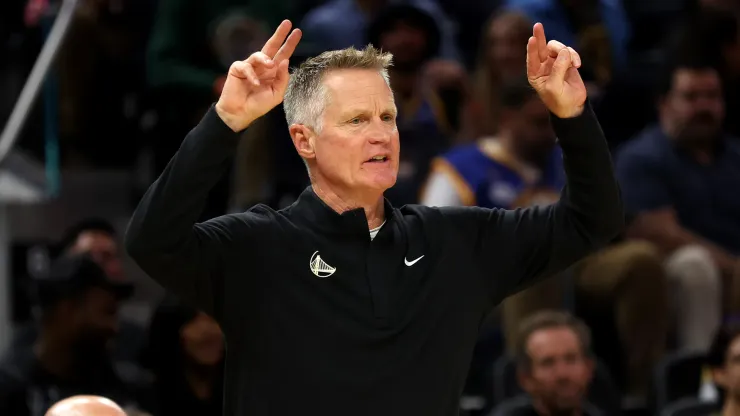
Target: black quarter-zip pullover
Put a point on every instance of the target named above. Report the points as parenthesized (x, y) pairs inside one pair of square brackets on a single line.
[(321, 320)]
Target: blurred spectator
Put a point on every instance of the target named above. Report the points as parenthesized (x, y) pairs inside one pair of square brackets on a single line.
[(597, 29), (715, 34), (105, 42), (724, 360), (185, 354), (412, 36), (501, 59), (96, 238), (79, 308), (678, 179), (193, 43), (555, 367), (522, 167), (470, 17), (339, 24)]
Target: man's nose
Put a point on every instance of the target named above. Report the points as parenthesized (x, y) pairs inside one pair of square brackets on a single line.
[(379, 132)]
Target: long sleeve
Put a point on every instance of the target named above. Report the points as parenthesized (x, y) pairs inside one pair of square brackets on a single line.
[(163, 236), (515, 248)]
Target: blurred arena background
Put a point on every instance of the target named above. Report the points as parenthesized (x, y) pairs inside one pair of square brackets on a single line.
[(96, 95)]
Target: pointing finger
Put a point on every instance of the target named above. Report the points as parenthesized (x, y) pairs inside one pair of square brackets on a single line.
[(286, 51), (538, 32), (276, 40)]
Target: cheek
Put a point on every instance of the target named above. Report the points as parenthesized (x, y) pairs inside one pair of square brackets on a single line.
[(332, 150)]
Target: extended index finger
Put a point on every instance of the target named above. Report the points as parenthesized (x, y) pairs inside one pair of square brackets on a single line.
[(538, 31), (276, 40), (286, 51)]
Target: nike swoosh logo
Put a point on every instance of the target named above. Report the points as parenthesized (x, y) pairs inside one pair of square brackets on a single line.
[(411, 263)]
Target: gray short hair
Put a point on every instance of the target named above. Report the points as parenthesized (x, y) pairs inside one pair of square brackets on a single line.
[(548, 319), (305, 97)]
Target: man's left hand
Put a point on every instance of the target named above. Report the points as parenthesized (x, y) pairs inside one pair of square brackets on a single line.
[(552, 70)]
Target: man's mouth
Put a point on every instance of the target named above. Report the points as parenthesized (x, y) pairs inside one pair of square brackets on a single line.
[(377, 159)]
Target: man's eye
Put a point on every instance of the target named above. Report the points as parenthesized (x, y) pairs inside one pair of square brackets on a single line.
[(355, 120)]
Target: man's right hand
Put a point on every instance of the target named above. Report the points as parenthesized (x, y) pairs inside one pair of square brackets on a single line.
[(257, 84)]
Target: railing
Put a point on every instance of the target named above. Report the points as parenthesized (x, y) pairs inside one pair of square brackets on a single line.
[(34, 83)]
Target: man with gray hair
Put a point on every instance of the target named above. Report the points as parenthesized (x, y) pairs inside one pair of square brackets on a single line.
[(341, 303)]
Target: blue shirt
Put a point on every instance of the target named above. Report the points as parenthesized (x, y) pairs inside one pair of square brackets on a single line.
[(339, 24), (654, 174), (487, 176)]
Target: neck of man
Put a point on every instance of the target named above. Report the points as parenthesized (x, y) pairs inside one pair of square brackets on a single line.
[(542, 410), (342, 201), (731, 406), (54, 354), (201, 380), (703, 152)]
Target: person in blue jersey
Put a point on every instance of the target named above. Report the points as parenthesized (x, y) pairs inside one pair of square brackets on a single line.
[(522, 166)]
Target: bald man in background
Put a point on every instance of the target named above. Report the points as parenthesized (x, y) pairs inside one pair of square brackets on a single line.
[(86, 406)]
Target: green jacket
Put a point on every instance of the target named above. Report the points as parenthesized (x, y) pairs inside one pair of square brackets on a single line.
[(180, 56)]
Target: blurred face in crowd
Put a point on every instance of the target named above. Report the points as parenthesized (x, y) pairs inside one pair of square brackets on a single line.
[(559, 372), (505, 55), (103, 249), (693, 110), (237, 36), (728, 377), (529, 127), (358, 146), (89, 320), (407, 43), (202, 341)]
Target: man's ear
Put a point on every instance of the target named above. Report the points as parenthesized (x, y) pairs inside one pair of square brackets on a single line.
[(303, 140), (524, 378)]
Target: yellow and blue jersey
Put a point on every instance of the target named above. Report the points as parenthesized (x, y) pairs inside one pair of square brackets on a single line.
[(484, 174)]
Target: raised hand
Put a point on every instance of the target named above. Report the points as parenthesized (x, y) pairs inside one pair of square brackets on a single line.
[(257, 84), (552, 70)]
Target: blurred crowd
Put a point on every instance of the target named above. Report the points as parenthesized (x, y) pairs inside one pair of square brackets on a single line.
[(648, 324)]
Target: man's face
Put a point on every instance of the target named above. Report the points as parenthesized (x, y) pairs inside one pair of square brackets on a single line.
[(103, 249), (202, 341), (91, 319), (530, 128), (694, 107), (506, 52), (728, 377), (358, 124), (560, 372), (407, 44)]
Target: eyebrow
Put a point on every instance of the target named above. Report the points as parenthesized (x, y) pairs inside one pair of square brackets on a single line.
[(352, 112)]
